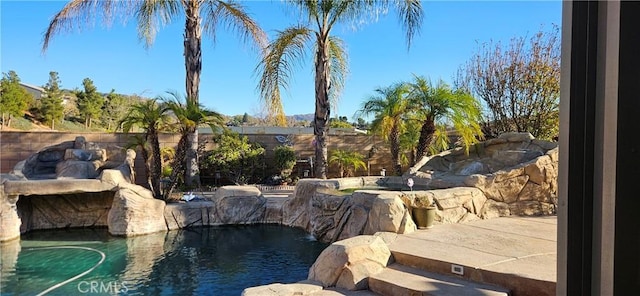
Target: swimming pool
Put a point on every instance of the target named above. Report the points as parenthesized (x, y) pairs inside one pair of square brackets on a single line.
[(207, 260)]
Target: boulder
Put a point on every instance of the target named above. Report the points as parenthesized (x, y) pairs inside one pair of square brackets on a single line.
[(516, 137), (238, 205), (227, 191), (347, 264), (389, 213), (85, 155), (76, 169), (189, 214), (494, 209), (531, 208), (295, 211), (300, 288), (331, 215), (134, 213)]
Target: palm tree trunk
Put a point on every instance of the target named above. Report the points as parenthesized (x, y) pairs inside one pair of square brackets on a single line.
[(156, 162), (323, 108), (426, 136), (147, 165), (193, 65), (192, 174), (394, 138), (178, 166)]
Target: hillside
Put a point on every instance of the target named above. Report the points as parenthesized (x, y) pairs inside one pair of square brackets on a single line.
[(29, 123)]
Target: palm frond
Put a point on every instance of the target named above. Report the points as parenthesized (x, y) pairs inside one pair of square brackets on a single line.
[(234, 17), (152, 15), (148, 114), (440, 140), (284, 54), (308, 9), (78, 13), (190, 114), (388, 105), (411, 15), (338, 69), (441, 104)]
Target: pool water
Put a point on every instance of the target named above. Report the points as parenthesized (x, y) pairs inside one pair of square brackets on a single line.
[(198, 261)]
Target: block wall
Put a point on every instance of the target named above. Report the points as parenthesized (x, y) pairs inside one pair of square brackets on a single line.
[(17, 146)]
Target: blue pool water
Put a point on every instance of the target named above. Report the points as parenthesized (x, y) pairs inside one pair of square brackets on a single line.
[(199, 261)]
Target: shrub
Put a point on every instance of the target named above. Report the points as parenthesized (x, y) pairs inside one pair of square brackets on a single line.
[(235, 158), (285, 160)]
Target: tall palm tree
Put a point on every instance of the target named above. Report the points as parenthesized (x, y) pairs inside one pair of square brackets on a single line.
[(154, 14), (149, 115), (330, 59), (189, 115), (389, 106), (441, 104)]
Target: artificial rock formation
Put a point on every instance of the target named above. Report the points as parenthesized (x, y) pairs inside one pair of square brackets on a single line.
[(318, 208), (515, 171), (229, 205), (348, 263), (76, 159), (78, 184)]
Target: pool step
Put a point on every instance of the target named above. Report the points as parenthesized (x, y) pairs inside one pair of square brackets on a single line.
[(400, 280)]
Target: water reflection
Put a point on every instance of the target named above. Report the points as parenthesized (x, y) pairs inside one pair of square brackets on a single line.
[(210, 260)]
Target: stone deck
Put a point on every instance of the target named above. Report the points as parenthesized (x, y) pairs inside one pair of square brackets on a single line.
[(516, 253)]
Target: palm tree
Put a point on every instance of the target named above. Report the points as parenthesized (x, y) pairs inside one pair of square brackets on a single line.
[(347, 160), (441, 104), (149, 115), (154, 14), (409, 138), (330, 58), (189, 115), (389, 106)]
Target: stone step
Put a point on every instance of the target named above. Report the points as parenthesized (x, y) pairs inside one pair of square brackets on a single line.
[(516, 253), (399, 280)]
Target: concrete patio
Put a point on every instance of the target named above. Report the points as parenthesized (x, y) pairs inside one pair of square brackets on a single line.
[(502, 256)]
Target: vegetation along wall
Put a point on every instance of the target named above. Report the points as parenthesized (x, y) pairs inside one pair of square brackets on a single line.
[(17, 146)]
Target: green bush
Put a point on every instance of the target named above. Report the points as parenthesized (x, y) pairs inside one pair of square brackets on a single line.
[(285, 160), (235, 158)]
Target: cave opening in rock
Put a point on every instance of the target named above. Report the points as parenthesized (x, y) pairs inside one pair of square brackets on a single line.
[(53, 211)]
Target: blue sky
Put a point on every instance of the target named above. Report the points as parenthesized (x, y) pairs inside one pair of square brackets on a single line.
[(114, 58)]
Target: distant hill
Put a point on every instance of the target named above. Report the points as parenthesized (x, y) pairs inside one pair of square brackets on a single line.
[(301, 117)]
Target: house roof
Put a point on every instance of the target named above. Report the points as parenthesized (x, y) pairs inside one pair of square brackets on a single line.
[(40, 89)]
